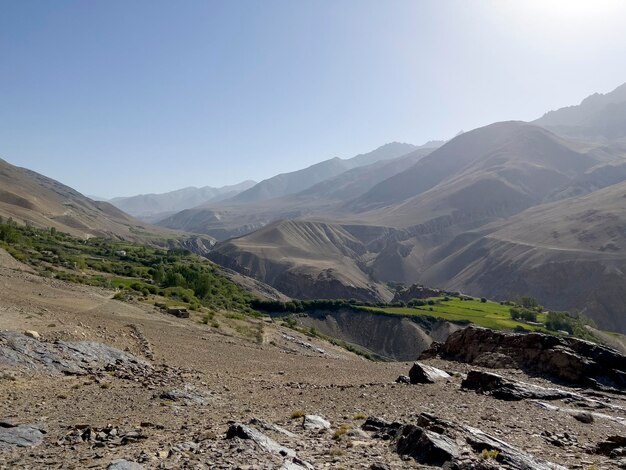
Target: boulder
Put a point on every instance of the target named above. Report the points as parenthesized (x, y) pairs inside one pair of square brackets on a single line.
[(494, 360), (427, 447), (32, 334), (424, 374), (315, 422), (584, 417), (19, 435), (291, 460)]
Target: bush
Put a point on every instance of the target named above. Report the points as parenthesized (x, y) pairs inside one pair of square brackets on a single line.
[(483, 300), (523, 314)]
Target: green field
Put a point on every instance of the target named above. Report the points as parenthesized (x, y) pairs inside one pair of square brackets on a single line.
[(488, 314)]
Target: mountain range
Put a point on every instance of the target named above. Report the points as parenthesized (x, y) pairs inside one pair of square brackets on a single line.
[(155, 207), (506, 210), (466, 216)]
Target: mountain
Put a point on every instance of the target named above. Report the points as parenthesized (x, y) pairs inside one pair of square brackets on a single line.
[(600, 117), (296, 181), (227, 219), (569, 254), (415, 225), (304, 259), (29, 197), (154, 207)]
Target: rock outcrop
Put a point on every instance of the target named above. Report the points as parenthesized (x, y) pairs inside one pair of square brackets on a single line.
[(505, 389), (564, 358), (434, 441), (416, 291), (27, 353), (19, 435)]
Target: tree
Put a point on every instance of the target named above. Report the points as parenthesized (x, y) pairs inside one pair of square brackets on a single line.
[(528, 302)]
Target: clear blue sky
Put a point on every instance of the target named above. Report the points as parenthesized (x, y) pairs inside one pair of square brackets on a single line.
[(117, 97)]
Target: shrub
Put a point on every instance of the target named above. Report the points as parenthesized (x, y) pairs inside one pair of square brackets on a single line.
[(340, 431)]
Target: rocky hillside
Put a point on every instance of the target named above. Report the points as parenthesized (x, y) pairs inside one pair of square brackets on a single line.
[(87, 381)]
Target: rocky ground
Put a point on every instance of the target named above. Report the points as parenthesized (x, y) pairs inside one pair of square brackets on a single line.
[(176, 393)]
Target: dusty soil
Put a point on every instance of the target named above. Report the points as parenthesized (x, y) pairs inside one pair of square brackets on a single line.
[(232, 376)]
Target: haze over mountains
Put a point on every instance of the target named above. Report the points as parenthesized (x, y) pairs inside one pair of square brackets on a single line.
[(154, 207), (509, 209), (600, 117), (465, 216), (31, 198)]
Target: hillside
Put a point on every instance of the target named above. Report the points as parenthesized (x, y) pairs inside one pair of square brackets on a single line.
[(34, 199), (227, 219), (296, 181), (154, 207), (599, 117), (570, 255), (101, 383), (409, 226), (303, 260)]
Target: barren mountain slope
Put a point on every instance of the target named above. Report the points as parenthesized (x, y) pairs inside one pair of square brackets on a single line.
[(303, 259), (158, 206), (599, 117), (30, 197), (485, 176), (225, 220), (290, 183), (570, 255), (510, 164)]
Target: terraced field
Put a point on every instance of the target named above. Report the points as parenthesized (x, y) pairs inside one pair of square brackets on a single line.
[(488, 314)]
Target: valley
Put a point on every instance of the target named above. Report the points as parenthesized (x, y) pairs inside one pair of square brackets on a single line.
[(243, 298)]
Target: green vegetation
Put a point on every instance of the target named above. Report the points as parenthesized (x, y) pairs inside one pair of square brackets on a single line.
[(489, 454), (487, 314), (136, 270), (340, 431), (178, 277)]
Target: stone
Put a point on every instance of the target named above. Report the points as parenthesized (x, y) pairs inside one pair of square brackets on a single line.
[(583, 417), (403, 379), (610, 445), (426, 447), (23, 352), (32, 334), (494, 360), (505, 389), (315, 422), (379, 466), (424, 374), (123, 464), (266, 443), (434, 441), (19, 435)]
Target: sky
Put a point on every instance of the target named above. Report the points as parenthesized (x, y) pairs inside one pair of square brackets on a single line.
[(118, 97)]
